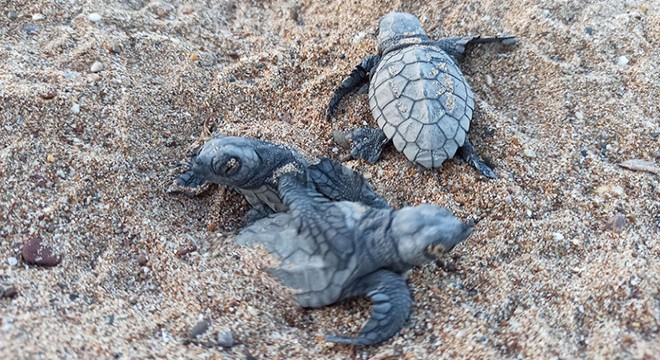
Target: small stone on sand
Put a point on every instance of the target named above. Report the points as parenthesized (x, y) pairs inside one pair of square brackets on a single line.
[(97, 66)]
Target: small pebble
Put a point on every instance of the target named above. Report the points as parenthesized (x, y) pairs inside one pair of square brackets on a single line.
[(622, 62), (358, 37), (37, 17), (12, 261), (94, 17), (48, 95), (8, 293), (12, 15), (589, 31), (35, 253), (115, 48), (75, 108), (97, 66), (340, 139), (142, 260), (557, 236), (199, 329), (50, 158), (529, 153), (31, 29), (579, 115), (225, 339), (489, 80), (616, 223)]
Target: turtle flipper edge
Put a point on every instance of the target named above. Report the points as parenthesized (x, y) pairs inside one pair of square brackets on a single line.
[(391, 308)]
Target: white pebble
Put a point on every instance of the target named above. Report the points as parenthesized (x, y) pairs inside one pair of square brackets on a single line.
[(225, 339), (37, 17), (75, 108), (357, 38), (558, 236), (622, 62), (489, 80), (579, 115), (12, 261), (529, 153), (97, 66), (94, 17)]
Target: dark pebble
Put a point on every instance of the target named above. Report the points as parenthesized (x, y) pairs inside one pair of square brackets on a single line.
[(73, 297), (35, 253), (12, 15), (199, 329), (142, 260), (186, 250), (589, 31), (488, 132), (49, 95), (8, 293)]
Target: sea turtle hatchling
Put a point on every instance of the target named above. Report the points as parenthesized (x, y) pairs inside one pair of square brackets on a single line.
[(252, 167), (329, 251), (417, 94)]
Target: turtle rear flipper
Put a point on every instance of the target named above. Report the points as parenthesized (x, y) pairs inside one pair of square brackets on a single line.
[(467, 153), (358, 76), (391, 308), (340, 183)]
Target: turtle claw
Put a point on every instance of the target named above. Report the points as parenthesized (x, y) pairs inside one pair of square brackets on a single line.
[(367, 143)]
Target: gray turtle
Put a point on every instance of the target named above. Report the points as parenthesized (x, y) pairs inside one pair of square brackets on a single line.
[(330, 251), (417, 94), (252, 167)]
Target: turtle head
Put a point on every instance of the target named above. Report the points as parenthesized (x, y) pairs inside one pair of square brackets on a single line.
[(244, 162), (424, 232), (398, 28)]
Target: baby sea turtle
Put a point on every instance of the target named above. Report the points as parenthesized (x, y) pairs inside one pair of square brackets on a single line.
[(329, 251), (252, 167), (417, 94)]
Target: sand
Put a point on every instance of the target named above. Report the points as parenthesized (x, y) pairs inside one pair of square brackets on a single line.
[(564, 260)]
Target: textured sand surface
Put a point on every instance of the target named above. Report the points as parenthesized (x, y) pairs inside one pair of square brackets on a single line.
[(564, 261)]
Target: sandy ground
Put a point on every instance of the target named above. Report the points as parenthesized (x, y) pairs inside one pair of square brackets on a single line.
[(564, 262)]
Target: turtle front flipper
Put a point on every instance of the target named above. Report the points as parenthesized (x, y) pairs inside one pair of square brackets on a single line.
[(367, 143), (358, 76), (340, 183), (467, 153), (455, 46), (391, 307)]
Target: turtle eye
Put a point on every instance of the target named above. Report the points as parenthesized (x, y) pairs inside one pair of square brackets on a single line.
[(231, 166)]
